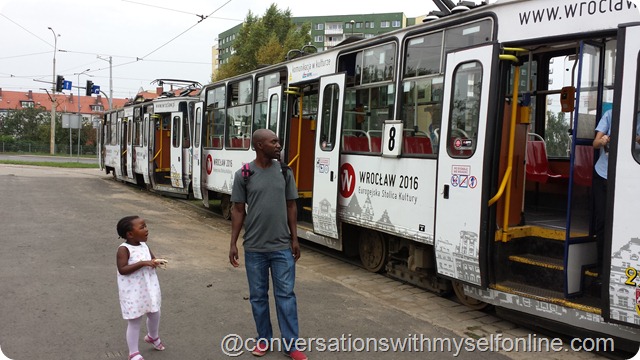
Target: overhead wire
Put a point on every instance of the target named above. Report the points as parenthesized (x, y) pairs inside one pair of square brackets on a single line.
[(182, 33)]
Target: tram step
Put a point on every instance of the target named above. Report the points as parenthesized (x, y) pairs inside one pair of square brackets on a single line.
[(588, 304), (535, 270), (545, 262), (538, 246)]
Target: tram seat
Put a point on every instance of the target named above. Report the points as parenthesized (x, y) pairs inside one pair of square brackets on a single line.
[(355, 143), (240, 143), (376, 144), (215, 142), (417, 145), (583, 165), (537, 163)]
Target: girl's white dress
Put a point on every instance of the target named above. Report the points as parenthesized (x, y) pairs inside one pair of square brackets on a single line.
[(140, 290)]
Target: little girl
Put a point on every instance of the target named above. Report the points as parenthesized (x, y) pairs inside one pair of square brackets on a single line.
[(138, 284)]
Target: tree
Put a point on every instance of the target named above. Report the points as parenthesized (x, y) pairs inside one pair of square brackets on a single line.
[(557, 134), (264, 41), (26, 124)]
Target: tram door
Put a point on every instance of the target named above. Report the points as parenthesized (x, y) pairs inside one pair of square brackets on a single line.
[(100, 143), (327, 155), (121, 141), (176, 149), (461, 208), (147, 133), (623, 178), (196, 171), (128, 153)]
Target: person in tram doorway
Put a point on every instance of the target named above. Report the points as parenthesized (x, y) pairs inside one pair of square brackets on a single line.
[(601, 142), (270, 241)]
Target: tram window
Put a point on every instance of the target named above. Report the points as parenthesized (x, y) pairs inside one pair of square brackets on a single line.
[(636, 125), (137, 132), (215, 114), (186, 133), (263, 83), (114, 129), (468, 35), (273, 116), (330, 102), (423, 55), (137, 127), (422, 114), (365, 111), (107, 129), (378, 63), (175, 131), (465, 110), (238, 135), (198, 127)]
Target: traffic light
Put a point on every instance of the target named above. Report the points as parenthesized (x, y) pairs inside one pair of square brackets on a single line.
[(59, 83), (89, 89)]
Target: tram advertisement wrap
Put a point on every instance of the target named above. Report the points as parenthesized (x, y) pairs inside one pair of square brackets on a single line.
[(391, 196)]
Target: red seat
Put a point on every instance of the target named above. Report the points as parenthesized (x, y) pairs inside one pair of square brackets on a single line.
[(417, 145), (583, 165), (355, 143), (376, 144), (538, 164)]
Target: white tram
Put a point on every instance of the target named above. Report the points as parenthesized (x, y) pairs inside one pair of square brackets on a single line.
[(148, 142)]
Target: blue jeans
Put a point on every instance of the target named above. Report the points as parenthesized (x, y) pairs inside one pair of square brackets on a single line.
[(283, 273)]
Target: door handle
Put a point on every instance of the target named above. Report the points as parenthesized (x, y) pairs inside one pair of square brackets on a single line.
[(331, 176), (445, 193)]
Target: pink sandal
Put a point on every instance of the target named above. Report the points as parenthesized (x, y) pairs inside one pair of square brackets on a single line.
[(137, 353), (152, 341)]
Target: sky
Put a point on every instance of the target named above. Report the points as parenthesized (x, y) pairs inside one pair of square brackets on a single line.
[(146, 39)]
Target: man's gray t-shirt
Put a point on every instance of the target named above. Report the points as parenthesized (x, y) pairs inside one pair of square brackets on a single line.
[(265, 226)]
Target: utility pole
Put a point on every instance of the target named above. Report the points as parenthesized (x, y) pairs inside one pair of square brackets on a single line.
[(110, 79), (52, 143)]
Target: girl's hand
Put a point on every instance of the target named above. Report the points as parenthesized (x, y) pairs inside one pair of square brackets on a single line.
[(149, 263)]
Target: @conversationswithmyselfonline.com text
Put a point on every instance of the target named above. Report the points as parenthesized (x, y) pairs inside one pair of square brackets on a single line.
[(234, 345)]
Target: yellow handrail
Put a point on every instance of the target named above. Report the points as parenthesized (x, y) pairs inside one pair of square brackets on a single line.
[(296, 91), (506, 181), (512, 135)]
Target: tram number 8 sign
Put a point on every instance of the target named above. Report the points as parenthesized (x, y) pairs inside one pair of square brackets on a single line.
[(392, 138)]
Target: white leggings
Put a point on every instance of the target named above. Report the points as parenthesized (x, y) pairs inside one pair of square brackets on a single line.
[(133, 330)]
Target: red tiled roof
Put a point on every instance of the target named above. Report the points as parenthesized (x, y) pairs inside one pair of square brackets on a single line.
[(13, 100)]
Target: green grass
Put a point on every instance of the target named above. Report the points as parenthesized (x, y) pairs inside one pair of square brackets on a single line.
[(51, 164), (87, 156)]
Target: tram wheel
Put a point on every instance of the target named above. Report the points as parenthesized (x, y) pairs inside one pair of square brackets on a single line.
[(225, 205), (465, 300), (373, 250)]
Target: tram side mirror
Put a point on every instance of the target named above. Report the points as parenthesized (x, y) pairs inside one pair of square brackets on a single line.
[(567, 98)]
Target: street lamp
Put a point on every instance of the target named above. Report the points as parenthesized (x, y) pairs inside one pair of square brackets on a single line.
[(52, 142), (79, 116), (352, 22)]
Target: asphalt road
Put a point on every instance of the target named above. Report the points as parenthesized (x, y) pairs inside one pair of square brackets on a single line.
[(58, 291)]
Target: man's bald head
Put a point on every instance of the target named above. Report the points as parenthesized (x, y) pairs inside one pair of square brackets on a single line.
[(261, 135)]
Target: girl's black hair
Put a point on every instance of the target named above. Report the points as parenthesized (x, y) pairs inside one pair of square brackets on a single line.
[(125, 225)]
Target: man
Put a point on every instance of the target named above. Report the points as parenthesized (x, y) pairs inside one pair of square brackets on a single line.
[(270, 240)]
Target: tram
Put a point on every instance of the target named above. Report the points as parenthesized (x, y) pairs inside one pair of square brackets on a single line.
[(148, 142), (455, 155)]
